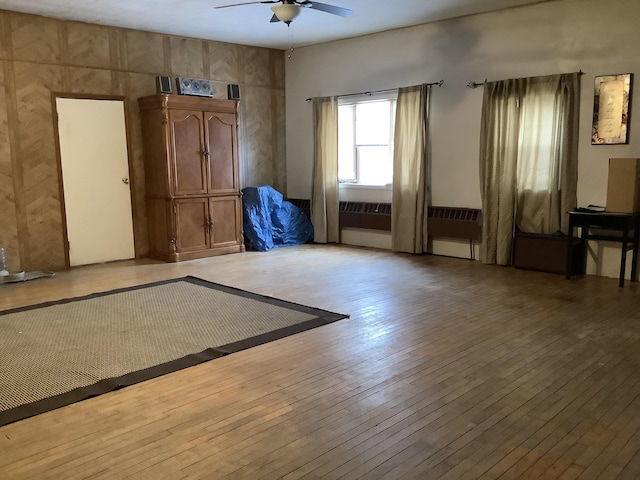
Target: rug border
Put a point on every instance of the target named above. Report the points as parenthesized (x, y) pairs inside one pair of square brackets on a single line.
[(322, 317)]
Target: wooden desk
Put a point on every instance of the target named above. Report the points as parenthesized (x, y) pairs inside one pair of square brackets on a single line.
[(628, 224)]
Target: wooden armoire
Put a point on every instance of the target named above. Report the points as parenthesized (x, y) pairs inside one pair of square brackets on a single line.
[(193, 194)]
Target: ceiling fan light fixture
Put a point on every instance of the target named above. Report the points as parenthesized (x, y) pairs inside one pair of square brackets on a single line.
[(286, 12)]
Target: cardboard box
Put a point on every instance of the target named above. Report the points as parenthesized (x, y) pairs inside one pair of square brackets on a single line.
[(623, 188)]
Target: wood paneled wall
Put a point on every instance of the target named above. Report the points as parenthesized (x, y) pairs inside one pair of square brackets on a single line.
[(40, 55)]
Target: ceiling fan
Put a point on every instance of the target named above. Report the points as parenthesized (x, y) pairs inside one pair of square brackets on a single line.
[(289, 9)]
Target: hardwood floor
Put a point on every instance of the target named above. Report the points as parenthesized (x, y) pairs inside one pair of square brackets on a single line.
[(447, 369)]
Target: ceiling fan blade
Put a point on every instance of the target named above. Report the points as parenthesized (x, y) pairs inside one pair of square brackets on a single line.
[(274, 19), (323, 7), (247, 3)]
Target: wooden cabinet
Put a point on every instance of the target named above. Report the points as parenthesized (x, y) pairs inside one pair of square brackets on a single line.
[(547, 253), (192, 182)]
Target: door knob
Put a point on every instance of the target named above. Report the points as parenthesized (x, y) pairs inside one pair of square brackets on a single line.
[(125, 180)]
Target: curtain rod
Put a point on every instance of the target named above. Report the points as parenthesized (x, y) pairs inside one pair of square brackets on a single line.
[(479, 84), (440, 83)]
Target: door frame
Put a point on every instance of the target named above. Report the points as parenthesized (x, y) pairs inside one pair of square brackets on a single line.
[(86, 96)]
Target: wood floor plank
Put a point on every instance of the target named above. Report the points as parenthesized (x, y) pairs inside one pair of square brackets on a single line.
[(441, 449), (446, 368)]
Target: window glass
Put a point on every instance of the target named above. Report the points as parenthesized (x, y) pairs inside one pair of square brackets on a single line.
[(373, 123), (365, 141), (537, 165), (375, 167)]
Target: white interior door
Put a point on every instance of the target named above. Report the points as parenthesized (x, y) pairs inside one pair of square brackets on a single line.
[(95, 175)]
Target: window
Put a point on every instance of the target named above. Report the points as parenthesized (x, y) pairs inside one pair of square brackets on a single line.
[(528, 159), (365, 139), (538, 160)]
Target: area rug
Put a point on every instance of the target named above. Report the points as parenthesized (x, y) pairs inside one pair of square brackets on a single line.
[(57, 353)]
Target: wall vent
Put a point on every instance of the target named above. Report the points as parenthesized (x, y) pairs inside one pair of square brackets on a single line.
[(372, 216), (455, 222), (303, 204), (449, 222)]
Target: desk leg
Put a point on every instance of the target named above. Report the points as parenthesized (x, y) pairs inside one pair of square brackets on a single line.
[(567, 272), (634, 258), (623, 256)]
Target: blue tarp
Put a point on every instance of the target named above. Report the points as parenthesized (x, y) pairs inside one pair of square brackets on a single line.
[(272, 222)]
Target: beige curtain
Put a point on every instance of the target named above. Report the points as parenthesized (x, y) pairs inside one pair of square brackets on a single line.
[(528, 159), (547, 174), (324, 196), (410, 164)]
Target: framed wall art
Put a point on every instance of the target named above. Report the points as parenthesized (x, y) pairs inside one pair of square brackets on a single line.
[(611, 109), (194, 86)]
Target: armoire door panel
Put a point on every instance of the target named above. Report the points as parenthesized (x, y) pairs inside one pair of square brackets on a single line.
[(223, 175), (189, 166), (156, 157), (226, 216), (160, 230), (191, 224)]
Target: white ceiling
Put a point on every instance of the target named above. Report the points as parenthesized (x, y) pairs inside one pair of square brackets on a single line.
[(249, 24)]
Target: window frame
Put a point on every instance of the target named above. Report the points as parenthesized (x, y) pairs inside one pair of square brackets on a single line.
[(353, 101)]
